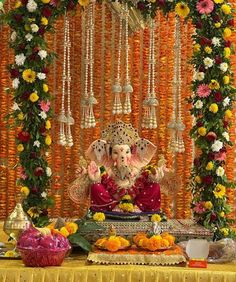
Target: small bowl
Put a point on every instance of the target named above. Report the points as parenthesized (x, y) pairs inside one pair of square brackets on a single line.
[(42, 257)]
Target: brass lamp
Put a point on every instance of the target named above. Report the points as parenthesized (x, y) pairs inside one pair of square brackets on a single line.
[(16, 221)]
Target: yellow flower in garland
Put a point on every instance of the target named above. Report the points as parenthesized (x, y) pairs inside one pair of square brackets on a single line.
[(226, 9), (33, 97), (126, 207), (202, 131), (214, 84), (213, 108), (29, 75), (218, 25), (20, 148), (227, 32), (210, 166), (48, 124), (25, 191), (20, 116), (33, 212), (226, 79), (156, 218), (44, 21), (222, 214), (208, 205), (208, 50), (227, 52), (27, 27), (18, 4), (99, 216), (45, 1), (196, 48), (228, 114), (182, 9), (224, 231), (45, 87), (219, 1), (48, 140), (219, 191), (198, 179), (83, 3)]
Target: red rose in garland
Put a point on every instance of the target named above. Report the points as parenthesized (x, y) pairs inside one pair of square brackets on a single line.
[(47, 12), (24, 136), (38, 171)]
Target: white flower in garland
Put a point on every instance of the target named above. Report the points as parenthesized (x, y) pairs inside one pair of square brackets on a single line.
[(224, 67), (15, 83), (216, 42), (31, 6), (43, 115), (29, 37), (13, 36), (198, 76), (208, 62), (220, 171), (217, 146), (42, 54), (226, 101), (34, 28), (44, 195), (48, 171), (198, 104), (15, 107), (20, 59), (36, 144), (41, 75), (226, 135)]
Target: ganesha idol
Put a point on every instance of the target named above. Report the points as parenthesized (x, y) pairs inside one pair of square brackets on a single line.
[(124, 155)]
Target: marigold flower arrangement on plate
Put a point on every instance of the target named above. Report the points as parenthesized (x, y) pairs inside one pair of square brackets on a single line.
[(154, 242), (112, 243)]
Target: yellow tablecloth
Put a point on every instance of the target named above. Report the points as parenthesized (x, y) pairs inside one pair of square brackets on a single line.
[(77, 270)]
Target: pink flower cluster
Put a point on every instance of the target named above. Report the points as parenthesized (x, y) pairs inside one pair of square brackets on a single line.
[(205, 6)]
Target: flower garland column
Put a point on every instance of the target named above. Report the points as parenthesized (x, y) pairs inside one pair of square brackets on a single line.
[(30, 20)]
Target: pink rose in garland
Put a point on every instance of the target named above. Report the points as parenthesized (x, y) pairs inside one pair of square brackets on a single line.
[(45, 106), (199, 208), (211, 136), (203, 90), (205, 6), (24, 136)]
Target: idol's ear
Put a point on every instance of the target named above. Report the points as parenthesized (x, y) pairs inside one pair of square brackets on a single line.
[(142, 153), (98, 151)]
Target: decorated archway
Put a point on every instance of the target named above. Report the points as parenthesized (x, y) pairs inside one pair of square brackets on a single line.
[(211, 102)]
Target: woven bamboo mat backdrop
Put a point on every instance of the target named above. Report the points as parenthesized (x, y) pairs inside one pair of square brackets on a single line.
[(62, 160)]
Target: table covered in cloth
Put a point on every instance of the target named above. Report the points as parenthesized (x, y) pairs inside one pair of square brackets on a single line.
[(77, 270)]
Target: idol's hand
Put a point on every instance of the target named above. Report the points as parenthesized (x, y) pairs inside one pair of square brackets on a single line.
[(157, 173), (94, 172)]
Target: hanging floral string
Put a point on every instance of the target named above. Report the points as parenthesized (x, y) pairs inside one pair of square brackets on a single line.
[(117, 88), (176, 125), (128, 89), (150, 103), (66, 119)]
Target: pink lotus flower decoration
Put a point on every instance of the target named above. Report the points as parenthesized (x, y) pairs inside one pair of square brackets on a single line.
[(205, 6), (45, 106), (199, 208), (203, 90)]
